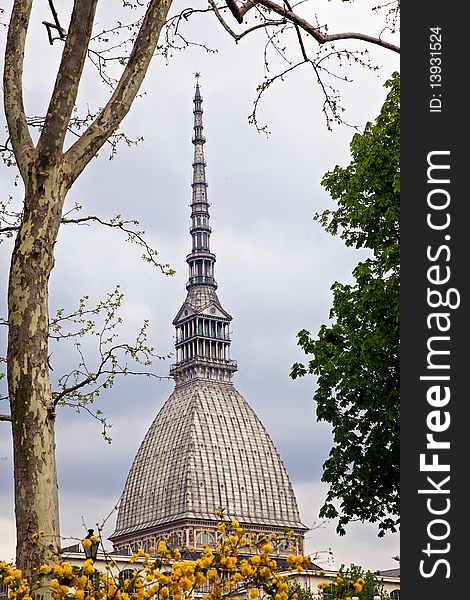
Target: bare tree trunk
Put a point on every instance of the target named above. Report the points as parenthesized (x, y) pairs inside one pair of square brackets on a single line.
[(47, 174), (32, 406)]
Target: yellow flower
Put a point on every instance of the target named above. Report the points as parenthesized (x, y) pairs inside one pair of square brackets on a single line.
[(79, 594), (87, 567), (86, 543), (55, 585), (357, 587), (246, 569), (162, 548), (222, 528), (186, 583), (199, 578), (253, 593), (265, 572), (58, 570), (235, 524)]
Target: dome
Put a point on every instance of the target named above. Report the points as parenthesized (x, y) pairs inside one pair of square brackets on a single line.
[(206, 450)]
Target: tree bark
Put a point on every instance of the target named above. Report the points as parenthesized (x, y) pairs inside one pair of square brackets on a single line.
[(32, 405), (48, 175)]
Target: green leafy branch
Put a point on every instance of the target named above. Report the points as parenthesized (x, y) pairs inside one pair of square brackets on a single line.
[(80, 387)]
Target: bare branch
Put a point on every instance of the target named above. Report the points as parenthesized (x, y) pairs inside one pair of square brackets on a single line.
[(9, 229), (233, 7), (239, 36), (9, 224), (287, 13), (22, 143), (316, 33), (133, 236), (5, 417), (94, 377), (299, 35), (56, 25), (65, 91), (108, 120)]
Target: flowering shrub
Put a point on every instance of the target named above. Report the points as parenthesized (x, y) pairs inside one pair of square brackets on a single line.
[(241, 563), (350, 582)]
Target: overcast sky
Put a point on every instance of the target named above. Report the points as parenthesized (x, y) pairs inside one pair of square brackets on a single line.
[(275, 265)]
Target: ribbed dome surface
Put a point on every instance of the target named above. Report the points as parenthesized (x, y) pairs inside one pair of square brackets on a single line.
[(199, 297), (206, 449)]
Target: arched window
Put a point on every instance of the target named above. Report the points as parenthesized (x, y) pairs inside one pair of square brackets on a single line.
[(175, 540), (395, 595), (204, 537)]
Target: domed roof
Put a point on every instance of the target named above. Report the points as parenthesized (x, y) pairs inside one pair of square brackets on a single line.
[(205, 450)]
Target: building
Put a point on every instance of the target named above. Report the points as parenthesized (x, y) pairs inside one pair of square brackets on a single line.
[(206, 449)]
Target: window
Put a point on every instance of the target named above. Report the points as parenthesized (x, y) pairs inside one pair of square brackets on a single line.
[(126, 574), (204, 538), (175, 540)]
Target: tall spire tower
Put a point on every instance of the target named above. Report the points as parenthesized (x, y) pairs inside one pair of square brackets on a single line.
[(202, 326), (206, 448)]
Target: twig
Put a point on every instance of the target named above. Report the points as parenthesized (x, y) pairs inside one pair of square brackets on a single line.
[(56, 25)]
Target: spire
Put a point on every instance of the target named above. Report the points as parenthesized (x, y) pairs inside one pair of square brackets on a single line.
[(202, 325), (200, 260)]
